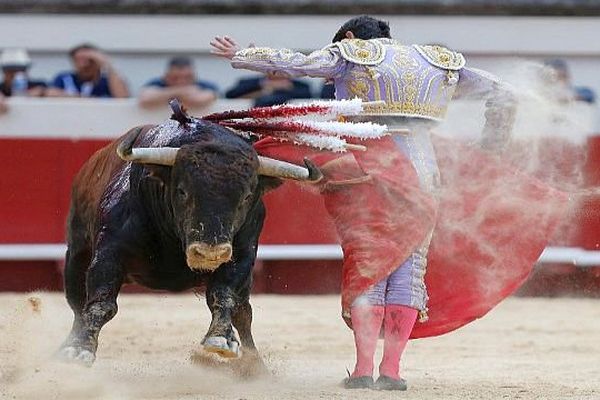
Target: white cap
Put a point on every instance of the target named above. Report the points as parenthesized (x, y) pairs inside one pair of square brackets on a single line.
[(15, 58)]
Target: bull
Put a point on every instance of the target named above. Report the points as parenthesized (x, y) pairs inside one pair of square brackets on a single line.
[(171, 207)]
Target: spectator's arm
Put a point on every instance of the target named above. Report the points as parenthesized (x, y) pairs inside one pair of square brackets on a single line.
[(55, 92), (245, 88), (196, 97), (39, 90), (154, 96), (117, 85), (500, 103), (57, 89), (190, 96)]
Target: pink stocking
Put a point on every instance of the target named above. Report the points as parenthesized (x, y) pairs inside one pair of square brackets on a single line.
[(366, 323), (398, 323)]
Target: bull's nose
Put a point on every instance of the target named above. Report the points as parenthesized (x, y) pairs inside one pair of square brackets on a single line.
[(218, 252), (202, 255)]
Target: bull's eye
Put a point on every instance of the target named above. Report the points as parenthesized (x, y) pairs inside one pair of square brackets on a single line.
[(181, 193)]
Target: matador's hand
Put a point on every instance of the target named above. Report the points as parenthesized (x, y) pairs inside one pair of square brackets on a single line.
[(224, 47)]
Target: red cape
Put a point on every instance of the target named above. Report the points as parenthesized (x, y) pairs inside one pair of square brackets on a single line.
[(492, 223)]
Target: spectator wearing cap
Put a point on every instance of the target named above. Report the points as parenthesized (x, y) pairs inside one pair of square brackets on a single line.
[(567, 91), (93, 76), (269, 90), (179, 81), (15, 65)]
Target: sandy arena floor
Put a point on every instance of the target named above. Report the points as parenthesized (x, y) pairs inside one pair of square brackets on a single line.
[(524, 349)]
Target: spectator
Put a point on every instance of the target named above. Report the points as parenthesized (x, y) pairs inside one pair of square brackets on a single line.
[(179, 81), (93, 76), (327, 91), (15, 64), (562, 77), (269, 90)]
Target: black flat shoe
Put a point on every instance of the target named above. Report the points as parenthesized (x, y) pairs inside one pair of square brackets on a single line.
[(358, 382), (387, 383)]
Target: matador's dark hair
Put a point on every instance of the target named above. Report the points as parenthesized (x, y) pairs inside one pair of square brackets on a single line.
[(363, 27)]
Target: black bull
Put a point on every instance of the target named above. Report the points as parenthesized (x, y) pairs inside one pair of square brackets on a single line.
[(185, 212)]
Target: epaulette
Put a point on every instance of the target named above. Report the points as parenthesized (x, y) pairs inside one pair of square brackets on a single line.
[(363, 52), (441, 57)]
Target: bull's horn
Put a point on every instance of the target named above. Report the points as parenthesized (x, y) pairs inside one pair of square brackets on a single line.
[(285, 170), (145, 155)]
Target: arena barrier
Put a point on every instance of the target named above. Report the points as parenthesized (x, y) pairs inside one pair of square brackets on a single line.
[(44, 142), (551, 255)]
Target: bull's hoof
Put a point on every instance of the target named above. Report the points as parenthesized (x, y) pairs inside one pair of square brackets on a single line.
[(222, 347), (77, 355)]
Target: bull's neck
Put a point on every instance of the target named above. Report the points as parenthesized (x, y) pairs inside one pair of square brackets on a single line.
[(157, 206)]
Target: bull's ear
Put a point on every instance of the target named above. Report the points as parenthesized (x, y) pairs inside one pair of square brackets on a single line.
[(266, 183)]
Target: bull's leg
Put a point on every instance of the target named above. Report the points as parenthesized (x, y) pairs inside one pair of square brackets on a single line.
[(228, 291), (104, 280), (220, 337), (77, 261), (242, 321)]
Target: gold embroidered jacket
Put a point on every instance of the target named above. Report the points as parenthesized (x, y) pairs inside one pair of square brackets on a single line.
[(414, 81)]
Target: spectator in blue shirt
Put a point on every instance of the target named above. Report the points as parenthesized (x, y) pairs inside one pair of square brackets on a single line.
[(179, 81), (269, 90), (93, 76)]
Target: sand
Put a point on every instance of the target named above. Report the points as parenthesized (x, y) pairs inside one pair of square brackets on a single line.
[(527, 348)]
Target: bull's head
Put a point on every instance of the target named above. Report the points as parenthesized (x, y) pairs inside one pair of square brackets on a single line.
[(212, 186)]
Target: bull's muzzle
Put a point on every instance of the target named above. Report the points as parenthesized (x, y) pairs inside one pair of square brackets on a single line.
[(202, 256)]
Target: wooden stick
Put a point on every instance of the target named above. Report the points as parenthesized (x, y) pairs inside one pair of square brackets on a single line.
[(399, 131), (356, 147)]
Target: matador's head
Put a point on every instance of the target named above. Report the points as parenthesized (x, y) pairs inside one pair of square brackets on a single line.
[(363, 27)]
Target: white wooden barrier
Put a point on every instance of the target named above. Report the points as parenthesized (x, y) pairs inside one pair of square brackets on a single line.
[(39, 252)]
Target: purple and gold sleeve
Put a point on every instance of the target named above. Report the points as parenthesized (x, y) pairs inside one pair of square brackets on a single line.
[(324, 63), (476, 83), (500, 105)]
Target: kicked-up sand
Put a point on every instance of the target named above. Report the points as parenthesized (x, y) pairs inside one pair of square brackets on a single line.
[(526, 348)]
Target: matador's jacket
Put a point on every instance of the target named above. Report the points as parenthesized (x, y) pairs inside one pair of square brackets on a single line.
[(487, 223)]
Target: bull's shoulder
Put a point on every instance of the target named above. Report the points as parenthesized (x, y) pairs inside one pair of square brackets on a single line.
[(94, 178)]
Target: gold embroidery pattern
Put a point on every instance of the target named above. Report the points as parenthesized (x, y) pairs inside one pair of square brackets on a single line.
[(362, 52), (256, 53), (360, 83), (408, 109), (410, 86), (442, 57)]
